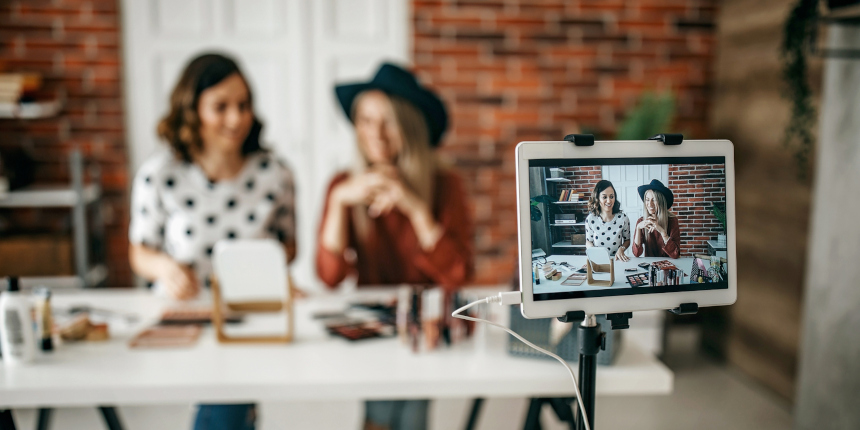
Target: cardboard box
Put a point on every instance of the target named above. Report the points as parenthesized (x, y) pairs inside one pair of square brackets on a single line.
[(577, 239), (36, 255)]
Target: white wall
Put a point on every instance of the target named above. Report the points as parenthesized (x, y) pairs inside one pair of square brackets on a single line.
[(829, 390)]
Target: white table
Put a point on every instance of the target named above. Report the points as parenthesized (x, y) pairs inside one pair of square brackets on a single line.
[(314, 367)]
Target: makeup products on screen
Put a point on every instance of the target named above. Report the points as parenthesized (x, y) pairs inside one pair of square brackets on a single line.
[(638, 280)]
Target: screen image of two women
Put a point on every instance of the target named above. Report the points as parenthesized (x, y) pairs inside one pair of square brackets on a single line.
[(655, 234)]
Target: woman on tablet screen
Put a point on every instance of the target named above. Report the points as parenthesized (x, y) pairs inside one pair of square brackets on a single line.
[(398, 216), (216, 182), (657, 234), (606, 226)]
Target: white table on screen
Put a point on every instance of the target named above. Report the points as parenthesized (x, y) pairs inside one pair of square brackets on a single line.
[(577, 261), (315, 366)]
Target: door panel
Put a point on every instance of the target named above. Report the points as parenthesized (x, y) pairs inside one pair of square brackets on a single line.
[(293, 52)]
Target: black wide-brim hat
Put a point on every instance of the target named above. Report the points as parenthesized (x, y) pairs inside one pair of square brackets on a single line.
[(392, 79), (660, 188)]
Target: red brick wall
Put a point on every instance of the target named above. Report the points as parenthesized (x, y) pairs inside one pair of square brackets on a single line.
[(696, 187), (536, 70), (76, 46), (582, 179)]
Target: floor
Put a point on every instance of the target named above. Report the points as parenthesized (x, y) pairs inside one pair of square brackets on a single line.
[(707, 395)]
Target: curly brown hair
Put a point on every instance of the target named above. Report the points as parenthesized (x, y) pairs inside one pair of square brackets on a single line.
[(594, 199), (180, 128)]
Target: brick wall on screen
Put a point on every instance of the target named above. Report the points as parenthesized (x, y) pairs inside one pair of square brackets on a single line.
[(696, 188), (536, 70), (76, 46), (582, 180)]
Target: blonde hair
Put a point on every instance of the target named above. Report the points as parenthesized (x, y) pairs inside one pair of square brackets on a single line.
[(416, 161), (663, 212)]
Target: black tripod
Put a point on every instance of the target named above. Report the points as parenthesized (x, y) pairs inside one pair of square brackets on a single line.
[(591, 340)]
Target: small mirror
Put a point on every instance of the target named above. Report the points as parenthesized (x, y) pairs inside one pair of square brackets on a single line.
[(251, 277), (599, 262)]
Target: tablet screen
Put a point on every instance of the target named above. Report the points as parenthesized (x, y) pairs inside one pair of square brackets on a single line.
[(657, 225)]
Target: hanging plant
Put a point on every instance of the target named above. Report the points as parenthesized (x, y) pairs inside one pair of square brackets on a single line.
[(800, 28), (536, 214)]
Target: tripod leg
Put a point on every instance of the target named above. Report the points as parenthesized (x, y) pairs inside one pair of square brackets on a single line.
[(44, 420), (111, 417), (473, 415), (533, 414)]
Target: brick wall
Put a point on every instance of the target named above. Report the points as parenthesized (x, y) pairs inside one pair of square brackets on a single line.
[(76, 46), (696, 187), (536, 70), (582, 179)]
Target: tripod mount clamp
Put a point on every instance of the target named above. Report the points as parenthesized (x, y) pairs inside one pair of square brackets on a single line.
[(580, 139), (668, 138), (686, 309)]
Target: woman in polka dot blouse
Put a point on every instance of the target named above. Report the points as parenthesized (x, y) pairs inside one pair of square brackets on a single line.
[(606, 226), (217, 182)]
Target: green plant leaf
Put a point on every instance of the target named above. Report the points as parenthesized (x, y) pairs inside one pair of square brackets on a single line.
[(652, 115)]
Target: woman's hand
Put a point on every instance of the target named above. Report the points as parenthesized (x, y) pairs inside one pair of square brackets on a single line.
[(390, 191), (356, 190), (620, 256), (179, 280)]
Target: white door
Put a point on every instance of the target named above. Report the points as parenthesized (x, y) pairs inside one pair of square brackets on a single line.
[(626, 180), (293, 52)]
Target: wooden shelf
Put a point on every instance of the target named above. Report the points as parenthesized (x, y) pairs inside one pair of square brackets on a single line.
[(30, 110), (557, 180), (566, 244), (566, 225), (571, 203), (48, 196)]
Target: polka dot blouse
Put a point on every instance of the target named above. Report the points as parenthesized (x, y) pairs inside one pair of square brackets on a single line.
[(610, 235), (177, 210)]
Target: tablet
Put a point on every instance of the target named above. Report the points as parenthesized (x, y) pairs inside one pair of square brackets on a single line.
[(661, 217)]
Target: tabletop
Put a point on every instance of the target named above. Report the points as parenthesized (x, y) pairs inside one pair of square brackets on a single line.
[(315, 366)]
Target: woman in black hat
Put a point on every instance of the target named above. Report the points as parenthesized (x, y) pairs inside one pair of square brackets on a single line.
[(657, 234), (398, 216)]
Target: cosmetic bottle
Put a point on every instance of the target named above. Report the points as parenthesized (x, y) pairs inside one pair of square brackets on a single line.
[(16, 326), (46, 321)]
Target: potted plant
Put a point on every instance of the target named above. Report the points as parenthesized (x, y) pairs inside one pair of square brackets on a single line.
[(719, 211)]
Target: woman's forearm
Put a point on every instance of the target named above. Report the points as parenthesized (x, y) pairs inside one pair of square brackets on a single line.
[(333, 237), (146, 262), (426, 228)]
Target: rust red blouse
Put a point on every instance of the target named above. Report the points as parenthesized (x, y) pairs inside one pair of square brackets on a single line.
[(391, 253), (652, 243)]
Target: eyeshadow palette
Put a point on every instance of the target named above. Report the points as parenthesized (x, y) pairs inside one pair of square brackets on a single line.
[(638, 280), (574, 279), (664, 265), (358, 330)]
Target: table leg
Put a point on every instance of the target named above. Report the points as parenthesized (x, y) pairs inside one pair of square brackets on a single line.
[(111, 417), (473, 415), (43, 422), (533, 414), (561, 406), (7, 421)]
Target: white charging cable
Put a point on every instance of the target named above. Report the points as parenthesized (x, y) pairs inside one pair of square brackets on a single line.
[(514, 298)]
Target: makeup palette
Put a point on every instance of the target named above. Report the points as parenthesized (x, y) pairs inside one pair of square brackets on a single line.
[(638, 280), (574, 280), (664, 265)]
